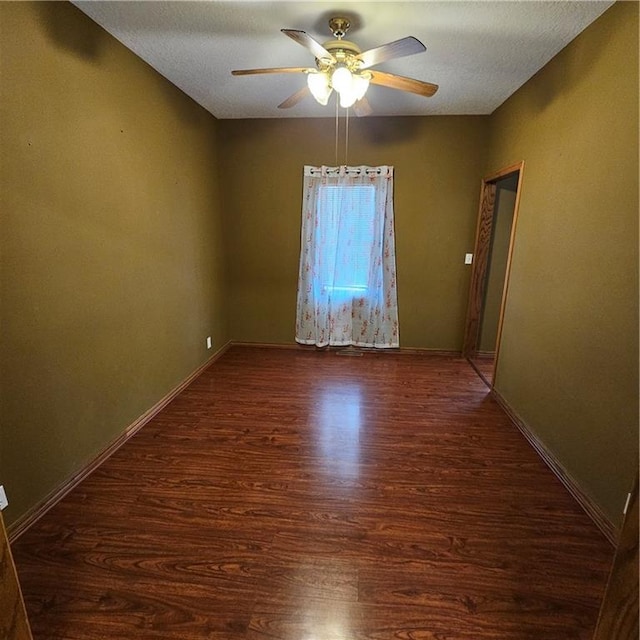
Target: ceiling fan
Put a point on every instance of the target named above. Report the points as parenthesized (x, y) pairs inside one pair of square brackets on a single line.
[(342, 66)]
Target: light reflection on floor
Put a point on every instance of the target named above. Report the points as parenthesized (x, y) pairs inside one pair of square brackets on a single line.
[(340, 422)]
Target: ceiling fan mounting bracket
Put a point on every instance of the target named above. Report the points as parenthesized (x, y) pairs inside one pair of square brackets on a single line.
[(339, 27)]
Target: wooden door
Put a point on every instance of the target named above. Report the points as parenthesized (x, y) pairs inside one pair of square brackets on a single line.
[(480, 259)]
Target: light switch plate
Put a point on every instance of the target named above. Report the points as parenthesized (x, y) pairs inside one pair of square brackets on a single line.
[(4, 503), (468, 258)]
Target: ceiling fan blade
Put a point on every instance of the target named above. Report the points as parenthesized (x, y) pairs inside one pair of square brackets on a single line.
[(309, 43), (425, 89), (293, 100), (362, 108), (250, 72), (396, 49)]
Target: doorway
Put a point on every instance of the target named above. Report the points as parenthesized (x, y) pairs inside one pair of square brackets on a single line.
[(499, 199)]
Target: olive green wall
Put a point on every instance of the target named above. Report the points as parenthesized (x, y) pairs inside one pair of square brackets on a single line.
[(438, 164), (568, 362), (110, 248)]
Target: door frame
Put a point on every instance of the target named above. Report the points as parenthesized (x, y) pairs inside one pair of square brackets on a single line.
[(482, 246)]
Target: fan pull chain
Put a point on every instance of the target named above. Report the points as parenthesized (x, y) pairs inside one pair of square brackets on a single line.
[(337, 107), (346, 133), (346, 136)]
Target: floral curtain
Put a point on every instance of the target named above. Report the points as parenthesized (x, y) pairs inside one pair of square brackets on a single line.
[(347, 278)]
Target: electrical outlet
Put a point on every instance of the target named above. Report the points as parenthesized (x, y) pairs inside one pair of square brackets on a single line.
[(209, 343), (4, 503)]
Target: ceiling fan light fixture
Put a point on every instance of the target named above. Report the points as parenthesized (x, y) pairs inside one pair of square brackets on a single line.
[(355, 91), (360, 84), (347, 99), (342, 80), (320, 86)]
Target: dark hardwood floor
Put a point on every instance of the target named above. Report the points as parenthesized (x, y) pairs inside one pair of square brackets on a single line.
[(484, 365), (300, 495)]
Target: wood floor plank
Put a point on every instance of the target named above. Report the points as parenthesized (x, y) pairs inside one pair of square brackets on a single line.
[(295, 494), (444, 620)]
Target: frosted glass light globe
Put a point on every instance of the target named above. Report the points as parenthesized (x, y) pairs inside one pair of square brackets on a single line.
[(360, 86), (341, 79), (347, 98), (319, 86)]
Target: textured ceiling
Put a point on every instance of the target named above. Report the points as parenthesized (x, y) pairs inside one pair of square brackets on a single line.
[(478, 52)]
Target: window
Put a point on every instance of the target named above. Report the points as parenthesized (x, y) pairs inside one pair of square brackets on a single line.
[(346, 215), (347, 278)]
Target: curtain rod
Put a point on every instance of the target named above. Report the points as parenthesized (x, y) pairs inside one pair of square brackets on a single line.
[(335, 170)]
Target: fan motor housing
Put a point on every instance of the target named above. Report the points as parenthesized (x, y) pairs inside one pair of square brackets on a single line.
[(334, 46), (343, 51)]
